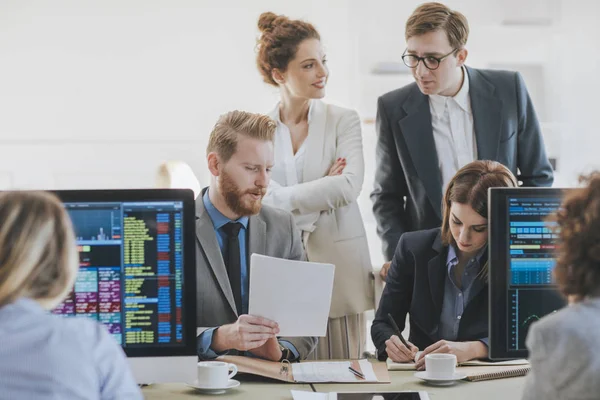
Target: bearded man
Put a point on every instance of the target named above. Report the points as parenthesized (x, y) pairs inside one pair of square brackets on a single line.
[(232, 224)]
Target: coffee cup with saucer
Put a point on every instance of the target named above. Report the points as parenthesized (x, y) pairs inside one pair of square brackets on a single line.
[(440, 369), (215, 377)]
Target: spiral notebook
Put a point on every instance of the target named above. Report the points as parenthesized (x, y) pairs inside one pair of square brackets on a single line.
[(484, 373)]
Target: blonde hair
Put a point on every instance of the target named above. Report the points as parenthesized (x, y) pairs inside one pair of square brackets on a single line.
[(38, 256), (431, 17), (224, 136)]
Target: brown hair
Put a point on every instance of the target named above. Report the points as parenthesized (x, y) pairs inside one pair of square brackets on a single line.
[(577, 269), (279, 41), (224, 136), (431, 17), (470, 186), (38, 256)]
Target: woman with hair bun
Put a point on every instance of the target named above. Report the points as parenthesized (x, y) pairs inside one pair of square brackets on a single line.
[(320, 192)]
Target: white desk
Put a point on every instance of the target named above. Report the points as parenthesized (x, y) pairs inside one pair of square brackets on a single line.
[(246, 391), (500, 389)]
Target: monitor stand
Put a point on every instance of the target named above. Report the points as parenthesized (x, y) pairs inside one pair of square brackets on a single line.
[(148, 370)]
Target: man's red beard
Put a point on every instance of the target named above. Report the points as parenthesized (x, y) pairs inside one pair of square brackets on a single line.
[(236, 199)]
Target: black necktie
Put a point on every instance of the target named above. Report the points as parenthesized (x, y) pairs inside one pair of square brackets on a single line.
[(233, 262)]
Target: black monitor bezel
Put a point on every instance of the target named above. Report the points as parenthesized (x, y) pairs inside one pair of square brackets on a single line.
[(189, 257), (498, 256)]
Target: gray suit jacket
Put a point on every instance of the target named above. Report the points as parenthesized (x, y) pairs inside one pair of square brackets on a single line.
[(408, 185), (273, 233), (564, 354)]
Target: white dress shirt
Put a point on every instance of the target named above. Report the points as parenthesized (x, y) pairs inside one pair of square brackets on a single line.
[(453, 131), (287, 171)]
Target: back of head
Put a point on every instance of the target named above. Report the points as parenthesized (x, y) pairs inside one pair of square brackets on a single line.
[(38, 257), (577, 269), (279, 41), (177, 175), (431, 17), (224, 136), (470, 186)]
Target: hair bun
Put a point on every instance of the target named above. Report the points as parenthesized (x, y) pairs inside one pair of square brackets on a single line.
[(268, 20)]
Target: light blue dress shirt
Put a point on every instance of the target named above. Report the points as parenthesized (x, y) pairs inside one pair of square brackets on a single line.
[(46, 356), (205, 350), (455, 299)]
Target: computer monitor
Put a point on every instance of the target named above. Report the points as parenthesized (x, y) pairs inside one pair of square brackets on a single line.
[(522, 256), (137, 275)]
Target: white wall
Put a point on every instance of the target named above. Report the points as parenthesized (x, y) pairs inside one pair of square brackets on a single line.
[(97, 93)]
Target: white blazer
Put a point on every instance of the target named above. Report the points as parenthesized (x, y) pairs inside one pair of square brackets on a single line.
[(324, 206)]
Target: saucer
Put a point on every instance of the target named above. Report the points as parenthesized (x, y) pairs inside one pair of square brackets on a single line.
[(440, 381), (230, 385)]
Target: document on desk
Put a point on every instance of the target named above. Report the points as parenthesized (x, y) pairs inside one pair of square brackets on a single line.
[(335, 371), (406, 366), (303, 395), (295, 294)]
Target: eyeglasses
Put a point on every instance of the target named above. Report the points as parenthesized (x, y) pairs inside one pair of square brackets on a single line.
[(431, 62)]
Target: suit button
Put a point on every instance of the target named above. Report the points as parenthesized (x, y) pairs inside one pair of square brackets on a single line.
[(458, 317)]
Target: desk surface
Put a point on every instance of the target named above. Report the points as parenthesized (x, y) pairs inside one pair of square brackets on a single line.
[(247, 391), (509, 388), (500, 389)]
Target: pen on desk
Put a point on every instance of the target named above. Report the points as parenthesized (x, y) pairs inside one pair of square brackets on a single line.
[(357, 373), (397, 330)]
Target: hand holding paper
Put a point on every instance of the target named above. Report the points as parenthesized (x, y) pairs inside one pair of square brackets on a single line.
[(294, 294)]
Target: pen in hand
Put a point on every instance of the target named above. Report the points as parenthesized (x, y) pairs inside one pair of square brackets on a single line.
[(399, 334), (397, 330)]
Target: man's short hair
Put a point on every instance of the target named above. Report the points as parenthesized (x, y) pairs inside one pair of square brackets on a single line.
[(224, 136), (431, 17)]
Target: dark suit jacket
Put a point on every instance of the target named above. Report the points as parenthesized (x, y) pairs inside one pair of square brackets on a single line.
[(415, 285), (408, 187), (272, 232)]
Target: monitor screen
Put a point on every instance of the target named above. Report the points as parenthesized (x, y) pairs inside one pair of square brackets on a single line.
[(522, 255), (136, 267)]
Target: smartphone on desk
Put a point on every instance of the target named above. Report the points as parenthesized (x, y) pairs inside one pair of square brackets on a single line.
[(382, 396)]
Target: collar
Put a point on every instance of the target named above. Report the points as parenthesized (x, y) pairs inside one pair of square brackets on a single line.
[(274, 114), (461, 98), (452, 259), (217, 218), (21, 305)]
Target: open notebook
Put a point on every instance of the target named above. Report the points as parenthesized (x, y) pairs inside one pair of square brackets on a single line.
[(409, 366), (477, 370), (312, 372)]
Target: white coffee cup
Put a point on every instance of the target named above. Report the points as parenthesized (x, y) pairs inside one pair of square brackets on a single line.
[(440, 366), (215, 374)]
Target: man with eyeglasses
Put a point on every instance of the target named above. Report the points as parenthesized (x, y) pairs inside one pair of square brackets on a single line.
[(450, 116)]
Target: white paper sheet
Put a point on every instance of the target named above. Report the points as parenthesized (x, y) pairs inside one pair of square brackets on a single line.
[(295, 294), (474, 363), (336, 371), (301, 395), (406, 366)]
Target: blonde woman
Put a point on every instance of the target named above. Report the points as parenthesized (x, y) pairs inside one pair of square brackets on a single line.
[(44, 355), (318, 174)]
